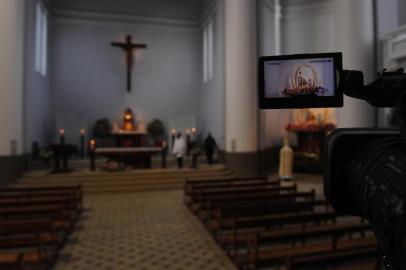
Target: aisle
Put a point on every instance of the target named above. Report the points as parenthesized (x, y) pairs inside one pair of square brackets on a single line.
[(146, 230)]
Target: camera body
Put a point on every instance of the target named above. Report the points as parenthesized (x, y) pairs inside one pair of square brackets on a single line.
[(364, 168)]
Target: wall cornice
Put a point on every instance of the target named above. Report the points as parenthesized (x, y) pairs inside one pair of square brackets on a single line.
[(125, 18), (306, 8)]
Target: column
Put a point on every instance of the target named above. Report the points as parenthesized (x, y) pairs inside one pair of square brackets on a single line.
[(241, 113), (11, 76), (355, 38)]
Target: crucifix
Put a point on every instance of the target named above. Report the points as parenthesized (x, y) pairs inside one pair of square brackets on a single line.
[(129, 48)]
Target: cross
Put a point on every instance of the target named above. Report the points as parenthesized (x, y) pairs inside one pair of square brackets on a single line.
[(129, 47)]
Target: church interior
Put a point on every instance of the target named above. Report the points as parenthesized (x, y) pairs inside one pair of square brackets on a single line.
[(132, 137)]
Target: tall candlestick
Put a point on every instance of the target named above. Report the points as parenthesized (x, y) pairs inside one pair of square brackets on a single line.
[(92, 147), (173, 131), (62, 136), (82, 142), (188, 142)]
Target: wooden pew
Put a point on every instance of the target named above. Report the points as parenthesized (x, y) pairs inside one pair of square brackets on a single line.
[(18, 201), (36, 242), (207, 207), (34, 252), (239, 231), (195, 181), (226, 214), (230, 189), (209, 199), (35, 222), (11, 260), (62, 213), (48, 191), (197, 189), (335, 258), (260, 254), (56, 230)]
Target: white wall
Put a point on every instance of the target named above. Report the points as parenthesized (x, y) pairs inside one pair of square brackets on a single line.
[(389, 13), (322, 26), (89, 76), (36, 89), (402, 12), (11, 74), (211, 115)]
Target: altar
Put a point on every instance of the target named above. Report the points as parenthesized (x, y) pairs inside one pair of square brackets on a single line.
[(131, 149), (124, 138), (129, 156), (311, 127)]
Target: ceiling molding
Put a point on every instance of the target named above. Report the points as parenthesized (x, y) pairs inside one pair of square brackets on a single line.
[(307, 8), (125, 18), (208, 12), (270, 5)]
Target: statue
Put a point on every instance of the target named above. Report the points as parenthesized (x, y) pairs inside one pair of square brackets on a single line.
[(285, 161), (128, 120)]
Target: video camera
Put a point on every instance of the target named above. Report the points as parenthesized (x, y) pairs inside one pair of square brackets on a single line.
[(364, 168)]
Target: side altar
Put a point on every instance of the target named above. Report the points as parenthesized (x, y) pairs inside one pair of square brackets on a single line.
[(311, 127), (131, 147)]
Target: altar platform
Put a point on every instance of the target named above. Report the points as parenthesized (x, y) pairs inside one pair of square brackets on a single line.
[(123, 181)]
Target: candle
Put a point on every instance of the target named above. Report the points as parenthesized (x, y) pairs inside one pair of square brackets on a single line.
[(62, 136), (194, 130), (92, 144)]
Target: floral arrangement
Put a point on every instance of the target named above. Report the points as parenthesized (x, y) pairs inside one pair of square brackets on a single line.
[(311, 127), (312, 91)]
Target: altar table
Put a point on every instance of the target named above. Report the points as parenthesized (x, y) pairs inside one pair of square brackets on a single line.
[(127, 155)]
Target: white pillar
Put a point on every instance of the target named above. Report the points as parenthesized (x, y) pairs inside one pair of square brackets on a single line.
[(355, 38), (240, 77), (11, 75)]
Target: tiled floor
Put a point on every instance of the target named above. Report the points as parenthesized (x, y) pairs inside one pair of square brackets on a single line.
[(146, 231), (149, 230)]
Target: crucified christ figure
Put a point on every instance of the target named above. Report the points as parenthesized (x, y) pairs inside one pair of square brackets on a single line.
[(129, 48)]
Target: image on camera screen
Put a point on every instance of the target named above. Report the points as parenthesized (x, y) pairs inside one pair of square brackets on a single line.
[(299, 77)]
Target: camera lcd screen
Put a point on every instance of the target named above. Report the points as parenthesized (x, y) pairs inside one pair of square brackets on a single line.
[(300, 81)]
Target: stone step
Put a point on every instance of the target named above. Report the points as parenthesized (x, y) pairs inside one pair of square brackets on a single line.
[(128, 181)]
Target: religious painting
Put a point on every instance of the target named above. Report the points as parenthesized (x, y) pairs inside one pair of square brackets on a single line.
[(298, 77)]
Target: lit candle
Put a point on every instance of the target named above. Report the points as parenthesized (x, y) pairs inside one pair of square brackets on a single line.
[(92, 144), (62, 136)]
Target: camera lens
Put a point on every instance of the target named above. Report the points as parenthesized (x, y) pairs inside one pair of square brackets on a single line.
[(377, 185)]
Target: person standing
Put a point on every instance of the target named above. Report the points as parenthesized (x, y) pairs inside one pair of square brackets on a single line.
[(210, 146), (179, 149)]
